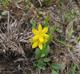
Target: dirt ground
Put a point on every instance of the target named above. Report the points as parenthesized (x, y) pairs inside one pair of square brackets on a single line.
[(16, 53)]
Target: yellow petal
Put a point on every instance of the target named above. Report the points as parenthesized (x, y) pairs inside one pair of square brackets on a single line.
[(41, 39), (35, 44), (39, 27), (34, 31), (45, 30), (35, 37), (40, 46), (46, 36)]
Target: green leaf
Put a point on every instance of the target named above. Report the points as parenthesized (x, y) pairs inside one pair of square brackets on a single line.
[(46, 21), (54, 72), (74, 67), (4, 2), (45, 50), (40, 64), (37, 53), (33, 23), (52, 30), (46, 59), (56, 67), (42, 53)]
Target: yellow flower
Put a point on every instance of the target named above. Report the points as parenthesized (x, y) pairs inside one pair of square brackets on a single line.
[(40, 36)]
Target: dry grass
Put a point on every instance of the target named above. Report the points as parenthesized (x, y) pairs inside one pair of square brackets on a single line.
[(15, 32)]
